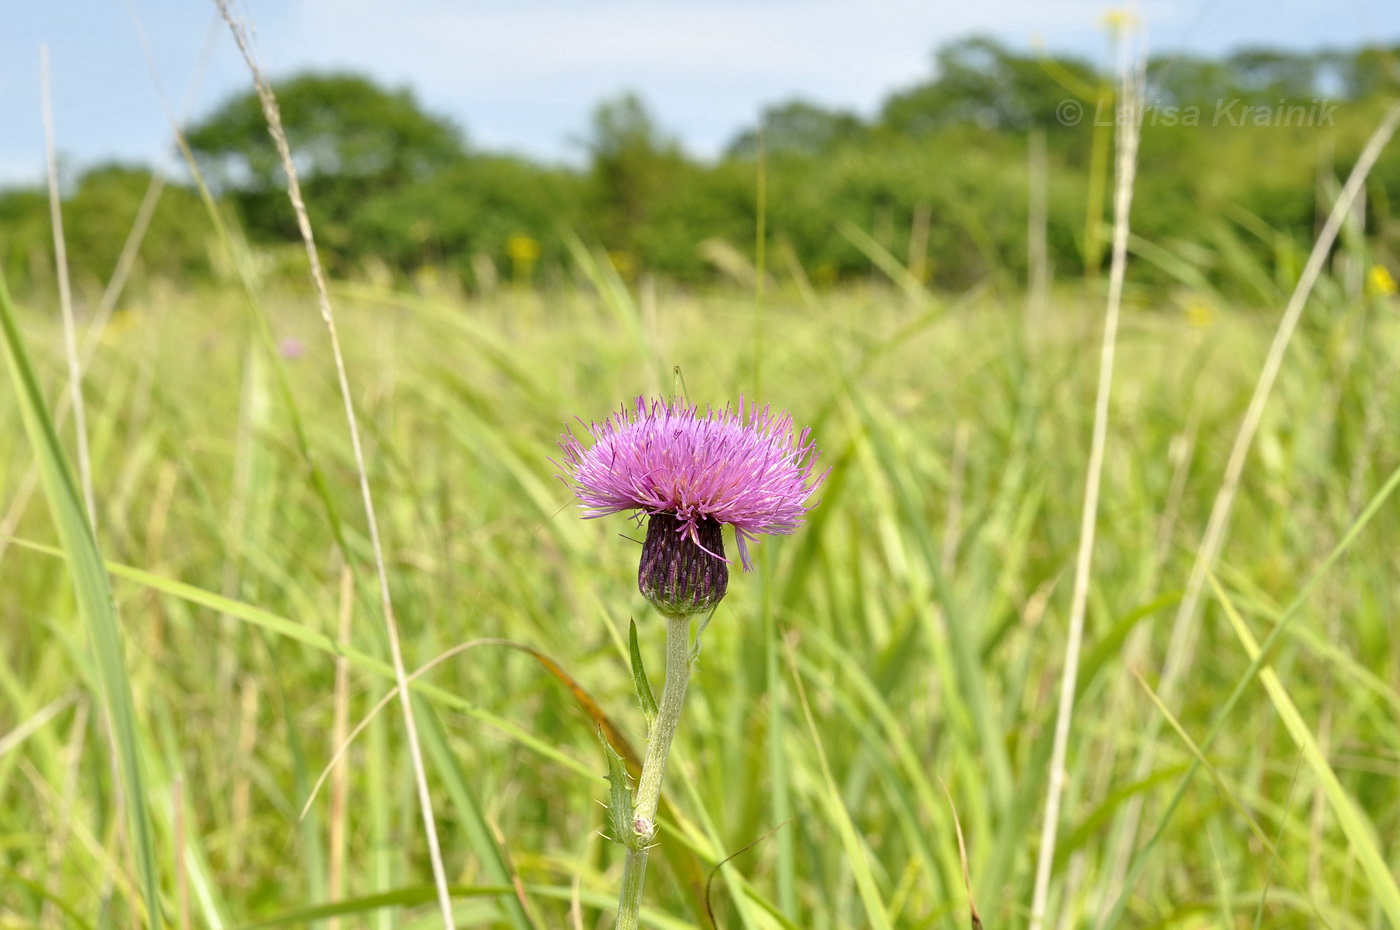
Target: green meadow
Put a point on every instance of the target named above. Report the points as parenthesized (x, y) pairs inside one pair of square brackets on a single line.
[(199, 724), (893, 662)]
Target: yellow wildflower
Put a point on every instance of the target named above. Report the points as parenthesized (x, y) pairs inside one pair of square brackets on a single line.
[(1380, 282), (623, 263), (523, 251), (1200, 313)]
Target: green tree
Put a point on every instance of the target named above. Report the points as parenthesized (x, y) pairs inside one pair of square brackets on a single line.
[(799, 128), (633, 164), (472, 208), (1370, 71), (979, 81), (1189, 80), (1269, 74), (25, 241), (98, 216), (350, 139)]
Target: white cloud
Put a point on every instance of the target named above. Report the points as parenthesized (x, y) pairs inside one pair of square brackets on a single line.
[(541, 42), (705, 67)]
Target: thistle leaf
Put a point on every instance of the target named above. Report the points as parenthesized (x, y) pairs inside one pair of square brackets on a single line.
[(639, 676), (620, 826)]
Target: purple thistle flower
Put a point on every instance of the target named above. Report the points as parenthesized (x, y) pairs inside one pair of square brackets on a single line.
[(692, 472)]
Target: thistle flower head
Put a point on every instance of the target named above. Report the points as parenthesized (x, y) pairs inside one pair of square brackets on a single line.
[(747, 467)]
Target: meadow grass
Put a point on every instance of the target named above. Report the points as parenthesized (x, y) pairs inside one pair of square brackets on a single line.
[(910, 637)]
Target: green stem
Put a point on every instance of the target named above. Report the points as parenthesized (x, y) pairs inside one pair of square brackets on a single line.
[(648, 794)]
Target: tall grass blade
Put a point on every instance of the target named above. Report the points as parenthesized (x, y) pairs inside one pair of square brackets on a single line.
[(1256, 665), (902, 277), (855, 849), (480, 834), (92, 589), (1359, 830), (780, 776), (613, 290)]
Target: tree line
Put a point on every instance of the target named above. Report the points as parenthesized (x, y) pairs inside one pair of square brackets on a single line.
[(1238, 155)]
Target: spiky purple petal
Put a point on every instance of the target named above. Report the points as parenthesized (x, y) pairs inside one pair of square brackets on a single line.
[(749, 468)]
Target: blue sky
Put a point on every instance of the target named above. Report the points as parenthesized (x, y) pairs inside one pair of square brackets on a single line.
[(525, 75)]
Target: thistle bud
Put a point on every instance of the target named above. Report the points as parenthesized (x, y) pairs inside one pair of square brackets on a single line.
[(683, 570)]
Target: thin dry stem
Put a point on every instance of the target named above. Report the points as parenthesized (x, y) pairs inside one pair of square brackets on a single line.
[(279, 137), (182, 878), (1183, 447), (65, 293), (158, 519), (127, 259), (242, 777), (104, 851), (1130, 97), (132, 247), (343, 746), (35, 723)]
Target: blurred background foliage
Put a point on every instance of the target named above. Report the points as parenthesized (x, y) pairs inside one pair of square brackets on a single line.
[(940, 170)]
